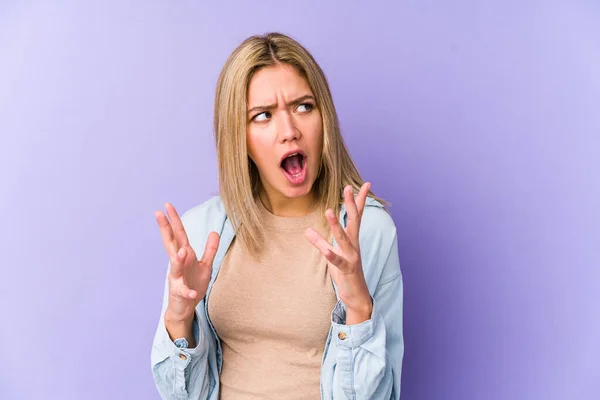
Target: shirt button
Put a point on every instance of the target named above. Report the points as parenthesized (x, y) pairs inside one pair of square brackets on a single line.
[(183, 357), (342, 336)]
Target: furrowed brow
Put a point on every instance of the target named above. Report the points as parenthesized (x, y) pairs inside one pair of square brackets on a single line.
[(272, 106)]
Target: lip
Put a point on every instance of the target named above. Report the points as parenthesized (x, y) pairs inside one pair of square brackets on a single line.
[(299, 179), (289, 153)]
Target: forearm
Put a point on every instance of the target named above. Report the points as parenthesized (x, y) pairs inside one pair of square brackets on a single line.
[(178, 327), (364, 369), (181, 373), (369, 353), (359, 315)]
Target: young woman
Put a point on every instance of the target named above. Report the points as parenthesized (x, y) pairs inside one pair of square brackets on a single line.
[(297, 291)]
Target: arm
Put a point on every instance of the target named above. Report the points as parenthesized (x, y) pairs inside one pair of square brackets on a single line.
[(180, 373), (181, 370), (367, 341), (369, 354)]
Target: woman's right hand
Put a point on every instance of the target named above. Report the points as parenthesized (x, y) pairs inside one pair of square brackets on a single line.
[(188, 277)]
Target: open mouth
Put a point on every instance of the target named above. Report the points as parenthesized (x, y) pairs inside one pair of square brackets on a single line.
[(294, 167)]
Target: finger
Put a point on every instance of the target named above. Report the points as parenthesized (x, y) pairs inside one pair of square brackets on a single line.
[(177, 263), (334, 258), (182, 291), (341, 237), (361, 199), (317, 240), (210, 250), (166, 233), (353, 222), (177, 225)]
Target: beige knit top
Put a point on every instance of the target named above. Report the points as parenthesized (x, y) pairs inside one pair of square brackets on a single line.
[(273, 314)]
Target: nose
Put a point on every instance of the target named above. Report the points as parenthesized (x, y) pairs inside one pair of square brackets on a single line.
[(287, 129)]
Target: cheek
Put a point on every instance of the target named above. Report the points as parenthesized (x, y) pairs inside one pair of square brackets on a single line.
[(257, 149), (318, 132), (252, 146), (318, 142)]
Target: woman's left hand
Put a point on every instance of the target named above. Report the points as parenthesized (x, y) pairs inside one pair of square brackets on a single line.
[(345, 256)]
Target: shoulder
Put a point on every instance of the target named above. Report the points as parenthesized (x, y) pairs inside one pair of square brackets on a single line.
[(377, 232), (378, 244), (212, 206), (376, 220), (203, 218)]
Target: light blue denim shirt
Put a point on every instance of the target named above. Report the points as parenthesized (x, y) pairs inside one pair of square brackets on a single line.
[(362, 361)]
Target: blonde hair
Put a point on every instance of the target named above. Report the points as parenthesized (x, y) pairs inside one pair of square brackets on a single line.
[(239, 181)]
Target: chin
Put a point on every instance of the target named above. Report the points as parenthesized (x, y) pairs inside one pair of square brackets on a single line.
[(296, 192)]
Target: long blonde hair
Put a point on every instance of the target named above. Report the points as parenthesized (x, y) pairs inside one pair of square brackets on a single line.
[(239, 181)]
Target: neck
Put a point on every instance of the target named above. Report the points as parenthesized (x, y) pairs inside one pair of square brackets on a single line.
[(288, 207)]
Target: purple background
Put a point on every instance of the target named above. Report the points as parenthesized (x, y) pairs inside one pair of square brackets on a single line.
[(480, 123)]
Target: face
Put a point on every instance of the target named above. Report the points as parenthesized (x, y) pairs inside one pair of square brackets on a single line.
[(284, 132)]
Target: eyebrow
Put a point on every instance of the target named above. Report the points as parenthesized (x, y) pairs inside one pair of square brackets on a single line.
[(272, 106)]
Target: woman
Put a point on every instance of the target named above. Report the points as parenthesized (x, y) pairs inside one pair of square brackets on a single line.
[(298, 291)]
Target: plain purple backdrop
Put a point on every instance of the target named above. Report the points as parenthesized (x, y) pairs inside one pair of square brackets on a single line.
[(478, 121)]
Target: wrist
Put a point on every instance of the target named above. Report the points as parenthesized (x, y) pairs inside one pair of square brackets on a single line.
[(359, 313), (177, 325), (178, 319)]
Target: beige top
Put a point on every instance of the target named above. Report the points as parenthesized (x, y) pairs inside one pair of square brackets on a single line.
[(273, 315)]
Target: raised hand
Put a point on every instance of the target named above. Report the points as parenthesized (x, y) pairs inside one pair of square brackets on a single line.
[(345, 256), (188, 277)]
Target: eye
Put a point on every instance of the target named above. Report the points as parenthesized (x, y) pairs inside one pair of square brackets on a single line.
[(305, 107), (263, 116)]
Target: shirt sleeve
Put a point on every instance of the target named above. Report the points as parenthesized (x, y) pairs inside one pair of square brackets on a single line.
[(369, 355), (180, 373)]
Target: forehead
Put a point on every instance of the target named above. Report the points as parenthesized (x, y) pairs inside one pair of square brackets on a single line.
[(270, 83)]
